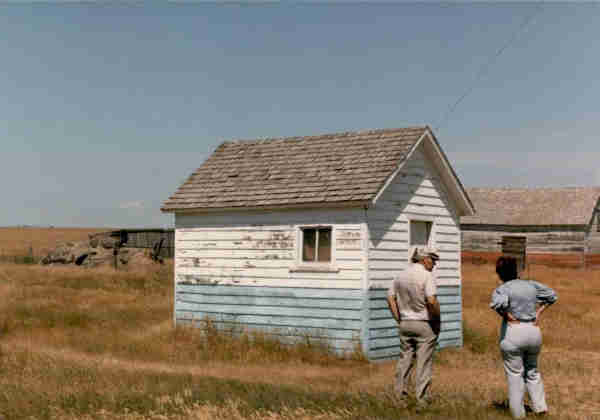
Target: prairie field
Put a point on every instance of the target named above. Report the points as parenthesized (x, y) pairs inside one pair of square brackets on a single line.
[(21, 241), (77, 343)]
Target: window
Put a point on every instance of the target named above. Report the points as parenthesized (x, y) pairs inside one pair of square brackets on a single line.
[(315, 250), (316, 244), (420, 232)]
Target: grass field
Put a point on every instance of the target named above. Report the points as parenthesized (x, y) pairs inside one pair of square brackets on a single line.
[(83, 344), (21, 241)]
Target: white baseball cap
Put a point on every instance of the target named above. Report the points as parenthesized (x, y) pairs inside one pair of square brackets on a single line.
[(419, 253)]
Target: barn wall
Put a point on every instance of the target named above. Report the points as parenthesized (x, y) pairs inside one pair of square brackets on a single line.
[(147, 239), (240, 268), (593, 241), (558, 248), (416, 193)]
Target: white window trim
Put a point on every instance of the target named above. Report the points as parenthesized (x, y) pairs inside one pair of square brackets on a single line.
[(431, 241), (300, 266)]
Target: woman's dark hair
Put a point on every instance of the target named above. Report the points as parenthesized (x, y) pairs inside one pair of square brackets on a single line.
[(506, 267)]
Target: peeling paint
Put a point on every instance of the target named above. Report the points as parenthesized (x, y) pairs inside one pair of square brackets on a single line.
[(346, 234), (355, 242), (281, 236), (270, 257)]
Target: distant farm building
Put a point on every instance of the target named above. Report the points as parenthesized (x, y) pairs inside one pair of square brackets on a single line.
[(302, 236), (161, 240), (551, 226)]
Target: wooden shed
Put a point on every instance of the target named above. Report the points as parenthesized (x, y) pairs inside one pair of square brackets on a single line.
[(556, 226), (301, 236)]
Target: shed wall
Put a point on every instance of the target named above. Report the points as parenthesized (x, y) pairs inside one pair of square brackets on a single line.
[(259, 248), (238, 269), (416, 193)]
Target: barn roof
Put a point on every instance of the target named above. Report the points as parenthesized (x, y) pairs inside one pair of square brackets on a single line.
[(347, 168), (533, 206)]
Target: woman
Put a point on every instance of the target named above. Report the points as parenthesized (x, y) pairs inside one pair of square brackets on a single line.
[(520, 304)]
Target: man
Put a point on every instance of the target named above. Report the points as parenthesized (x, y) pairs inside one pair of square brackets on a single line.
[(413, 303)]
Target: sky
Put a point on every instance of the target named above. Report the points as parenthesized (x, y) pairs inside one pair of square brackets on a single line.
[(106, 109)]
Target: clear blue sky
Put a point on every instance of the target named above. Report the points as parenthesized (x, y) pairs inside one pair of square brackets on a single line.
[(106, 109)]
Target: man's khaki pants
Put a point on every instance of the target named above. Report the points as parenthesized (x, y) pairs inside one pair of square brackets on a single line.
[(416, 339)]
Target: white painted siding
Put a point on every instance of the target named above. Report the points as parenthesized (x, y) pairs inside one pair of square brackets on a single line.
[(415, 194), (261, 248)]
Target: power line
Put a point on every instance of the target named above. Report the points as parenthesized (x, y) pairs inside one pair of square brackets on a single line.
[(486, 66)]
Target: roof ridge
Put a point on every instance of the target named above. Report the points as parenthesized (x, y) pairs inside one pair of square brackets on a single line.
[(328, 134), (591, 187)]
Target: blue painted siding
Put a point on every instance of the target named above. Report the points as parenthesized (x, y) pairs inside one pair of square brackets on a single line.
[(289, 313), (342, 317), (383, 333)]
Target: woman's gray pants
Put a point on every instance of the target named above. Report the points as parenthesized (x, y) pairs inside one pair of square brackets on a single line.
[(520, 345), (416, 339)]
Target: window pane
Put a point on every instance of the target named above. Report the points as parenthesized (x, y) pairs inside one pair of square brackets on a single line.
[(419, 233), (308, 245), (324, 244)]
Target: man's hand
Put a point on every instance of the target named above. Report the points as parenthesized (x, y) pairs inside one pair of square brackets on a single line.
[(433, 307), (391, 300)]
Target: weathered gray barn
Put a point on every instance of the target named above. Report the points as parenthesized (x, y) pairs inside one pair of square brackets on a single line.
[(143, 238), (302, 236), (556, 226)]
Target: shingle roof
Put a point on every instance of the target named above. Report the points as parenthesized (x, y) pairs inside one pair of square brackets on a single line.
[(532, 206), (348, 167)]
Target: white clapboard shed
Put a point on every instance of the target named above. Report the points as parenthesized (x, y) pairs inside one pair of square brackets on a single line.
[(301, 236)]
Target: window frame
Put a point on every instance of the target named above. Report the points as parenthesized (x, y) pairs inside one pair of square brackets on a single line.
[(430, 240), (314, 266)]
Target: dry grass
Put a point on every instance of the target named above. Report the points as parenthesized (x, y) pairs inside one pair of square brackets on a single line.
[(83, 344), (17, 241)]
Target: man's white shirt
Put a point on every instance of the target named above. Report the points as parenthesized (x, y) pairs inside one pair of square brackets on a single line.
[(411, 288)]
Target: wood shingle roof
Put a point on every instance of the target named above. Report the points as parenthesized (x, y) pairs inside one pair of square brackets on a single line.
[(327, 169), (532, 206)]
